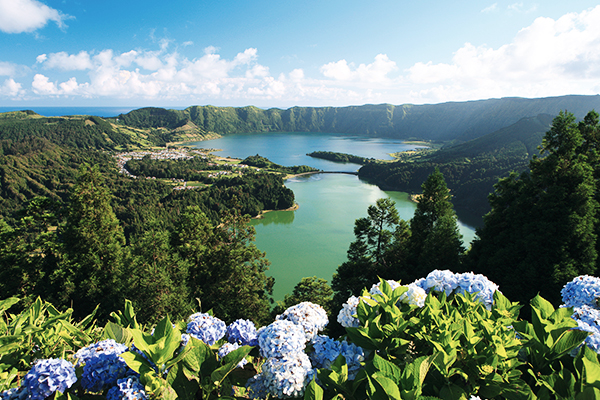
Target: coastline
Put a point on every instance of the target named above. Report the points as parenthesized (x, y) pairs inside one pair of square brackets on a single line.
[(292, 208)]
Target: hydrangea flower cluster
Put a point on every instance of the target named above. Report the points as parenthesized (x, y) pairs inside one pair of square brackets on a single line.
[(347, 315), (415, 295), (242, 331), (103, 366), (128, 388), (108, 346), (103, 371), (281, 337), (228, 348), (326, 350), (312, 317), (448, 282), (582, 290), (205, 327), (588, 319), (375, 288), (287, 369), (440, 281), (47, 377), (286, 376)]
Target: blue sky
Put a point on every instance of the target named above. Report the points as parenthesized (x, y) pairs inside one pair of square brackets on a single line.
[(285, 53)]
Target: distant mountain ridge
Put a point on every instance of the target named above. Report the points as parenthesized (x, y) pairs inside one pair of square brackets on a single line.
[(452, 121)]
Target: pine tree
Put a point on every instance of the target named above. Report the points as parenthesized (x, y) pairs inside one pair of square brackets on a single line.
[(541, 231), (92, 271), (435, 241), (226, 271)]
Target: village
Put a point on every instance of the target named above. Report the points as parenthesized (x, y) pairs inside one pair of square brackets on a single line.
[(179, 154)]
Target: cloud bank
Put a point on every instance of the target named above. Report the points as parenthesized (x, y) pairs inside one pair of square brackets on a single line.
[(18, 16), (548, 58)]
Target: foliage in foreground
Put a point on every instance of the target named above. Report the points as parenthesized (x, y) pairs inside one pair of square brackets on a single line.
[(441, 337)]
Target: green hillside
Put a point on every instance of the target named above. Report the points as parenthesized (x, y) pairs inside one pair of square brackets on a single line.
[(470, 169), (454, 121)]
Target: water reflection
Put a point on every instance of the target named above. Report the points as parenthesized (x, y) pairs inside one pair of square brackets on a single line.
[(276, 217)]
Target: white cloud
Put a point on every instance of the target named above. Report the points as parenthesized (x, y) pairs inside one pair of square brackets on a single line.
[(11, 89), (492, 8), (66, 62), (375, 72), (549, 57), (42, 85), (8, 69), (17, 16)]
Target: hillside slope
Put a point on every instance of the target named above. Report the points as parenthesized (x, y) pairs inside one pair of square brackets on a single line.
[(470, 169), (454, 121)]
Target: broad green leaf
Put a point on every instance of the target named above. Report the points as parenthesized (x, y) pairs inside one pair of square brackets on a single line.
[(589, 393), (117, 332), (566, 342), (544, 306), (591, 372), (386, 368), (313, 391)]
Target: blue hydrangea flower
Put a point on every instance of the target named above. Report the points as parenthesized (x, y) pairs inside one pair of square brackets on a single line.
[(582, 290), (228, 348), (375, 288), (588, 319), (415, 295), (441, 281), (20, 393), (256, 387), (287, 376), (103, 371), (128, 388), (281, 337), (108, 346), (207, 328), (312, 317), (478, 285), (354, 356), (185, 338), (242, 331), (325, 351), (347, 315), (49, 376)]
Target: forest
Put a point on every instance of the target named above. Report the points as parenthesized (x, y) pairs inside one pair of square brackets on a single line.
[(174, 280)]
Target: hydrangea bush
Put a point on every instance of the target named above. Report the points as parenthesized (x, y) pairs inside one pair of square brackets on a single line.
[(445, 336)]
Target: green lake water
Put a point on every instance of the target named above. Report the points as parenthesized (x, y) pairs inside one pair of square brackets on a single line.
[(313, 240)]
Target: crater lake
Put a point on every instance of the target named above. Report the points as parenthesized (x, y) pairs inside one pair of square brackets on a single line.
[(313, 240)]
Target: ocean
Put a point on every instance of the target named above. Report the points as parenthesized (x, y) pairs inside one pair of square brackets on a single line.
[(104, 112)]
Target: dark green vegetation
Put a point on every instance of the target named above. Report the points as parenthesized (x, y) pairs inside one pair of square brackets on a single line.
[(72, 233), (262, 162), (470, 169), (460, 121), (340, 157), (541, 232), (391, 248), (543, 228)]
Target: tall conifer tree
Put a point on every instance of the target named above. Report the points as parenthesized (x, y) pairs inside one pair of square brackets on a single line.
[(435, 241), (93, 245), (541, 231)]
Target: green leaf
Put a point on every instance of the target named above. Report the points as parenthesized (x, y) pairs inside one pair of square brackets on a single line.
[(591, 372), (566, 342), (589, 393), (117, 332), (135, 361), (386, 368), (313, 391), (544, 306), (452, 392)]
